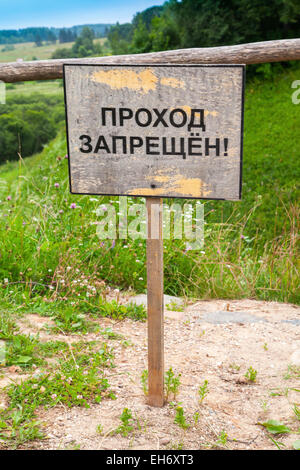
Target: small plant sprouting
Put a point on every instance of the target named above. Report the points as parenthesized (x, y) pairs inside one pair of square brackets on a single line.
[(180, 418), (176, 307), (127, 423), (222, 440), (251, 374), (144, 381), (203, 391), (264, 405), (196, 417), (172, 383), (296, 410), (99, 429)]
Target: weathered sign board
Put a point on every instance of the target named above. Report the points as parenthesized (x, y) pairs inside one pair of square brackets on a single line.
[(155, 130)]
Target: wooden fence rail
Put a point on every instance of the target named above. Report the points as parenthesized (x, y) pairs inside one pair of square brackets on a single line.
[(252, 53)]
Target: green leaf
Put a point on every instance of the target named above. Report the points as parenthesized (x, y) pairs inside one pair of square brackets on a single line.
[(23, 359), (275, 427), (296, 445)]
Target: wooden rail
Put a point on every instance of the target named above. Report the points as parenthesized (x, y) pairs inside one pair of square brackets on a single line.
[(252, 53)]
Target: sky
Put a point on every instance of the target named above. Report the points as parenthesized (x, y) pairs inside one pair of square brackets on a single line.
[(15, 14)]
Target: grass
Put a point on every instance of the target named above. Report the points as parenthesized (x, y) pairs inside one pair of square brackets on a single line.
[(47, 87), (29, 51), (76, 379), (52, 262), (52, 258)]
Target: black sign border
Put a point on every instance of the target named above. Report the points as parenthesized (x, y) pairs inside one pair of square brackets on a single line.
[(158, 65)]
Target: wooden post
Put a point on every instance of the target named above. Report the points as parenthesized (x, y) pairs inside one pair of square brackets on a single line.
[(155, 302)]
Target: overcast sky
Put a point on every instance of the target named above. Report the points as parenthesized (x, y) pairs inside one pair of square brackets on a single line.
[(15, 14)]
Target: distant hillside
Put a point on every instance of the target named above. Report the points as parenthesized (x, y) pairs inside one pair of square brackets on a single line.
[(100, 30), (14, 36)]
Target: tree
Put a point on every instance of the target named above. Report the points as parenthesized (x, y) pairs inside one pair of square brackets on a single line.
[(51, 37), (119, 38), (38, 40), (84, 44), (141, 41)]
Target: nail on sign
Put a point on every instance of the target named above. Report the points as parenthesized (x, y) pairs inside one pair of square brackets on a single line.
[(155, 130)]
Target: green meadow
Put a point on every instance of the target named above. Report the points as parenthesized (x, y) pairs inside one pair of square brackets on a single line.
[(250, 246), (29, 51)]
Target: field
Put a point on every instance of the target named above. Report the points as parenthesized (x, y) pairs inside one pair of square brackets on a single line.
[(29, 51), (47, 87), (71, 336)]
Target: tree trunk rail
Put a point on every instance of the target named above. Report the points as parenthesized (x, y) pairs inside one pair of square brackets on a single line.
[(252, 53)]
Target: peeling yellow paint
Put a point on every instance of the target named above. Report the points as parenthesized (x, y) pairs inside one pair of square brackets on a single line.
[(172, 82), (174, 185), (210, 113), (160, 179), (142, 82)]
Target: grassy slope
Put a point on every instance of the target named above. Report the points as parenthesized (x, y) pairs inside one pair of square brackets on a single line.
[(27, 88), (28, 51), (250, 247)]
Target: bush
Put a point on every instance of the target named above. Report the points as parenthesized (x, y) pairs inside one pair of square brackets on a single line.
[(27, 125)]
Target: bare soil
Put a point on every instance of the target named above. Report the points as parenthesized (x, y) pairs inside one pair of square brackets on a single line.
[(199, 350)]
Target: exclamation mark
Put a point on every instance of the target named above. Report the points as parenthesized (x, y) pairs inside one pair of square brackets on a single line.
[(225, 147)]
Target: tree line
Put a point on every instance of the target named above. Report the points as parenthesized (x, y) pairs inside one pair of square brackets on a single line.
[(45, 34), (205, 23), (84, 46)]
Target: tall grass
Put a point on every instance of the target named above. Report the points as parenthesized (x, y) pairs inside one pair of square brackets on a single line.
[(50, 252)]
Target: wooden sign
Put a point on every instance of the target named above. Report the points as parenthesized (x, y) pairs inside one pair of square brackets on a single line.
[(155, 130)]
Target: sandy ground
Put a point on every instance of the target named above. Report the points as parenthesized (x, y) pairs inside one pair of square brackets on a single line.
[(199, 346)]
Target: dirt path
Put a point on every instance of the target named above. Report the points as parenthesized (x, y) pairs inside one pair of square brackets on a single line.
[(199, 346)]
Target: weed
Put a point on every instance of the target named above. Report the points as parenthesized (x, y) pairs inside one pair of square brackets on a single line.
[(16, 429), (196, 417), (280, 392), (144, 381), (180, 418), (275, 427), (203, 391), (278, 444), (76, 380), (264, 405), (174, 306), (251, 374), (177, 445), (296, 411), (127, 425), (118, 311), (293, 372), (222, 439), (99, 429), (172, 383)]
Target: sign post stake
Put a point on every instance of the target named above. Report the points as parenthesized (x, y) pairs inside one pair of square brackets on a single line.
[(155, 302)]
